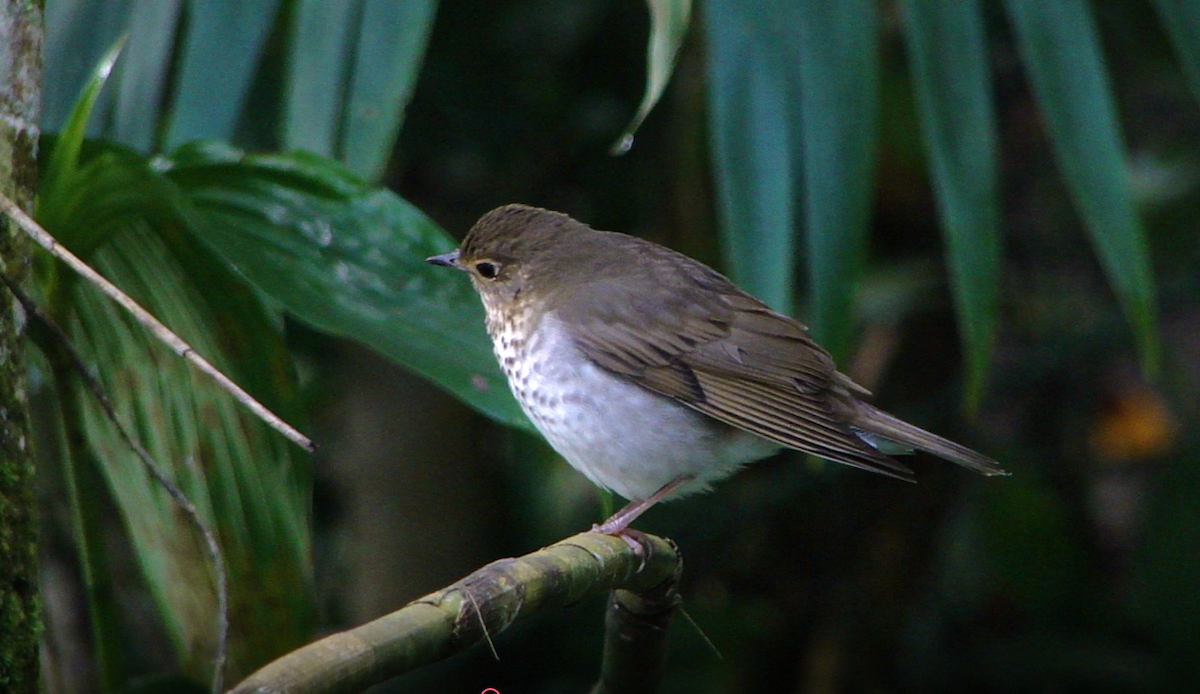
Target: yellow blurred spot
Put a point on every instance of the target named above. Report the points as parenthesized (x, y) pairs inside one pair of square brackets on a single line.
[(1138, 425)]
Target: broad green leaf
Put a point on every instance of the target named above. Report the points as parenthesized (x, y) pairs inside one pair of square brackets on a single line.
[(348, 259), (113, 187), (238, 473), (839, 85), (1181, 19), (668, 25), (948, 59), (319, 52), (390, 47), (1061, 52), (753, 96), (219, 54), (143, 77)]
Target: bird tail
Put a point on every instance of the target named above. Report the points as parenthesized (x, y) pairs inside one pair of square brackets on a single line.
[(877, 424)]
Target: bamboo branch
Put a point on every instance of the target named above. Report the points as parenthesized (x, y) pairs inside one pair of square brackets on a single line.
[(148, 321), (477, 607), (635, 638)]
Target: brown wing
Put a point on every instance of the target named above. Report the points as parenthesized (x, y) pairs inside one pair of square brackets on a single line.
[(723, 353)]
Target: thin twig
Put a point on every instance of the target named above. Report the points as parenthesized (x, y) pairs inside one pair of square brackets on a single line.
[(45, 240), (712, 646), (189, 509), (483, 625)]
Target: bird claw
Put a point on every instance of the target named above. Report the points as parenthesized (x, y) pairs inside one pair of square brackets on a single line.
[(636, 539)]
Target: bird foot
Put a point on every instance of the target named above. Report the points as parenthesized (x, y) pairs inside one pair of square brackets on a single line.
[(636, 539), (617, 524)]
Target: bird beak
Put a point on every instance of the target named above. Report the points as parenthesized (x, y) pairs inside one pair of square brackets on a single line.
[(446, 259)]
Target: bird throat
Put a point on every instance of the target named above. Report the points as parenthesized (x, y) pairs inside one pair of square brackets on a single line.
[(510, 325)]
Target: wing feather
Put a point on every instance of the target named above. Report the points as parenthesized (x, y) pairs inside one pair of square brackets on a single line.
[(720, 351)]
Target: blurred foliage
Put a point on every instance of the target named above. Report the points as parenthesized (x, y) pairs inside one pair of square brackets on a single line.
[(130, 223), (345, 258), (841, 136)]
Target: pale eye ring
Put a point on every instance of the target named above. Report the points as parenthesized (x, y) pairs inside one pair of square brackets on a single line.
[(487, 270)]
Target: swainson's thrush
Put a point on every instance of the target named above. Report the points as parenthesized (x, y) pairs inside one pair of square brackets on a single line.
[(652, 374)]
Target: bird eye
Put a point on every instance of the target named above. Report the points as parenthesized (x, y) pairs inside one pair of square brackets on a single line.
[(487, 270)]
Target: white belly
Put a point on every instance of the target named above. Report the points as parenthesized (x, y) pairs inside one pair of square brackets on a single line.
[(620, 435)]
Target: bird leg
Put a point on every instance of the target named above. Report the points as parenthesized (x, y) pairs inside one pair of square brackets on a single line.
[(618, 523)]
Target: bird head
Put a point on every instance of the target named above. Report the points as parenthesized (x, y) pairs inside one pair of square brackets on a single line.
[(507, 247)]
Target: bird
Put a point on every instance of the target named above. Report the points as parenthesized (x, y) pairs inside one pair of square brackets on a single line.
[(656, 376)]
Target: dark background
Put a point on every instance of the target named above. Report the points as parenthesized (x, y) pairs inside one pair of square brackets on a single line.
[(1075, 574)]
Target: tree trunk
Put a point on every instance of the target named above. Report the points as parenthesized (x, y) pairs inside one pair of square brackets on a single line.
[(20, 91)]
